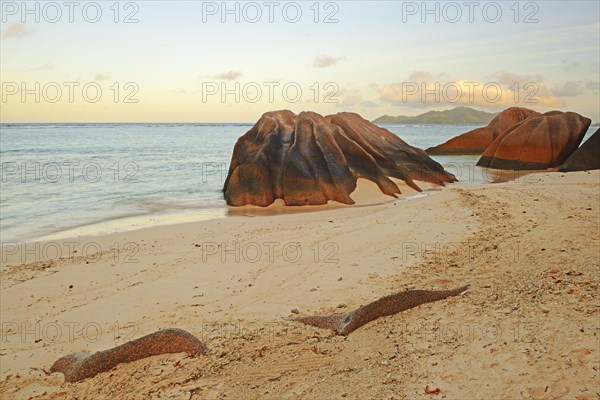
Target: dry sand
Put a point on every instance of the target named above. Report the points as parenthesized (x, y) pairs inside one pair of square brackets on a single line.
[(528, 327)]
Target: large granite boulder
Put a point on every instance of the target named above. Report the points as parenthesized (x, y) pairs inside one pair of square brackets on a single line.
[(308, 159), (586, 157), (538, 143), (476, 141)]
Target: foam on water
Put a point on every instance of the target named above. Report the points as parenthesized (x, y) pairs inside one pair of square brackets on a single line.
[(134, 222)]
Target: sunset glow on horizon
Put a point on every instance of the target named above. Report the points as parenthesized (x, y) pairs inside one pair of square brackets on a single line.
[(151, 61)]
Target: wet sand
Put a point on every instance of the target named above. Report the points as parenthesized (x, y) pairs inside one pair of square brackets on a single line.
[(526, 328)]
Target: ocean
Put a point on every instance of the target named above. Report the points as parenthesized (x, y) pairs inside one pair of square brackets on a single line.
[(67, 180)]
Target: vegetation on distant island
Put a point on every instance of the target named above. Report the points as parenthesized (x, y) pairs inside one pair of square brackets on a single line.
[(456, 116)]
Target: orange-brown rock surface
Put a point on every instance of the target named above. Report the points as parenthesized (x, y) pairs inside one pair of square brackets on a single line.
[(308, 159), (79, 366), (477, 140), (344, 324), (537, 143)]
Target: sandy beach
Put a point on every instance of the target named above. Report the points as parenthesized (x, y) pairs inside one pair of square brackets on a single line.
[(527, 327)]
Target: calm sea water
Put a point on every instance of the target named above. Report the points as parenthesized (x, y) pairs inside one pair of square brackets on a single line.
[(63, 180)]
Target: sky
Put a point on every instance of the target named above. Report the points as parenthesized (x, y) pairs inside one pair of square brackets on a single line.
[(198, 61)]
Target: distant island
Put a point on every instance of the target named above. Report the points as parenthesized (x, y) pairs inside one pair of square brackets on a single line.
[(456, 116)]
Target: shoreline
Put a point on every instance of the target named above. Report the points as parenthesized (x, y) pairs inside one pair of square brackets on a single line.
[(365, 195), (233, 281)]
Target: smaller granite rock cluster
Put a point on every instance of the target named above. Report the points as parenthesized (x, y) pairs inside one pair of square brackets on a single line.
[(523, 139)]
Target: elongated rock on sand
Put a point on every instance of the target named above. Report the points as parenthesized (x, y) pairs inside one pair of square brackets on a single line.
[(343, 324), (79, 366)]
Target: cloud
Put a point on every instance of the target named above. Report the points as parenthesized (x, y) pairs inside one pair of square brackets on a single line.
[(510, 78), (323, 61), (350, 99), (576, 88), (425, 76), (45, 67), (353, 99), (228, 76), (369, 104), (16, 30), (570, 89), (101, 77), (502, 89), (592, 85), (569, 65)]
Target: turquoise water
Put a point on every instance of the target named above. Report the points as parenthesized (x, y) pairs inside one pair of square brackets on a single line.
[(72, 179)]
